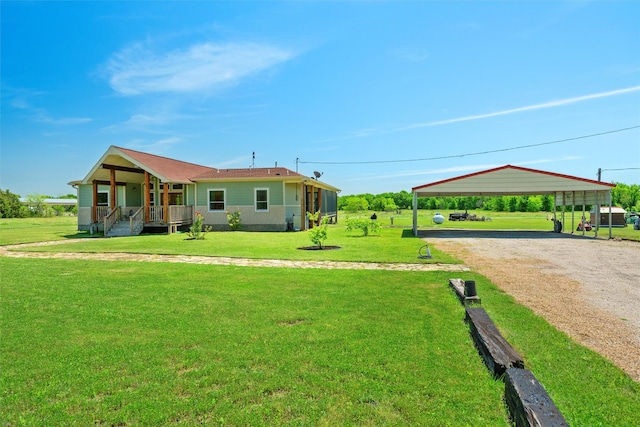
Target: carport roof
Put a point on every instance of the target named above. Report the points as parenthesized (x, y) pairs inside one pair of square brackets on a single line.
[(510, 180)]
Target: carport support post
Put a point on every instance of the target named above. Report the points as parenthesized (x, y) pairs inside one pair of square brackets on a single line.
[(610, 215), (415, 214), (596, 209), (573, 211)]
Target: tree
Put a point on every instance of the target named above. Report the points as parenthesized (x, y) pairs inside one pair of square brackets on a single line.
[(10, 206), (366, 226), (354, 203), (318, 234), (37, 207)]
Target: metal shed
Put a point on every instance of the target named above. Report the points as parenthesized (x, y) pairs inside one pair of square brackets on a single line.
[(512, 180)]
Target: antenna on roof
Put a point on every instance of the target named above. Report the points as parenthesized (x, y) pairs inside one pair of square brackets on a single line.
[(317, 174)]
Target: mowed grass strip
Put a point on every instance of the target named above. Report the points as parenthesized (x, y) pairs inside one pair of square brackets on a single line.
[(143, 344), (28, 230), (391, 245)]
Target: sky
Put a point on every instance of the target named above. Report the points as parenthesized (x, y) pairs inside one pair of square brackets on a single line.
[(378, 96)]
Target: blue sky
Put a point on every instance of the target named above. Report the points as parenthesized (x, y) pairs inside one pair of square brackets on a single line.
[(378, 96)]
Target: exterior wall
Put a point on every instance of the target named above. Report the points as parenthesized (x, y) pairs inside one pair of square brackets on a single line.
[(190, 194), (250, 220), (241, 196), (292, 202), (85, 197), (617, 219), (133, 195), (84, 218)]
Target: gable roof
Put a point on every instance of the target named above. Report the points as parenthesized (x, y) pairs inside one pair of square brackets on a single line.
[(241, 173), (177, 171), (167, 169), (509, 180)]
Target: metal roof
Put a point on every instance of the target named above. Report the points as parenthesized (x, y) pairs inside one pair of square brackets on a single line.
[(510, 180)]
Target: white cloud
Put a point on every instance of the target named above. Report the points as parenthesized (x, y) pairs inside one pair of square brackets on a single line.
[(550, 104), (459, 169), (158, 147), (201, 67)]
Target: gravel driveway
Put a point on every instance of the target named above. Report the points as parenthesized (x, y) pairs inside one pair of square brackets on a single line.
[(586, 287)]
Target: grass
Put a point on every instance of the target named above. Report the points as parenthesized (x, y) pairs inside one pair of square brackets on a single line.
[(127, 343), (392, 245), (28, 230), (185, 344)]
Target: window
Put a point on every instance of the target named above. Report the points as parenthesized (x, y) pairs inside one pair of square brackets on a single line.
[(262, 199), (103, 198), (216, 200)]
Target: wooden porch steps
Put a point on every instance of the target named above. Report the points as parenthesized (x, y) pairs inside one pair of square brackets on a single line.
[(121, 229)]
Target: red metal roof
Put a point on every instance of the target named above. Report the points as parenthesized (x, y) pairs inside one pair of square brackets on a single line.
[(278, 172), (179, 171), (173, 170)]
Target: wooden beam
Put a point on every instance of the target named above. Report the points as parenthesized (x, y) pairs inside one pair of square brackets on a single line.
[(147, 197), (319, 204), (94, 210), (494, 349), (166, 202), (112, 188), (303, 208), (118, 183), (122, 168), (528, 401)]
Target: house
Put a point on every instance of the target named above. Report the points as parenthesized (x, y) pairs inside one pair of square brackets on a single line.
[(141, 190), (617, 216)]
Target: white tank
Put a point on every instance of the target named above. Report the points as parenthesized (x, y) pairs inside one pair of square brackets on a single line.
[(437, 218)]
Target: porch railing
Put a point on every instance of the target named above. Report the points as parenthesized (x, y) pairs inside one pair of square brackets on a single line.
[(101, 212), (136, 221), (181, 214), (111, 218), (156, 214)]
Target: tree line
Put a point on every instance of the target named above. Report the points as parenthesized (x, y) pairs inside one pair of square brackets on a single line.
[(623, 195), (34, 206)]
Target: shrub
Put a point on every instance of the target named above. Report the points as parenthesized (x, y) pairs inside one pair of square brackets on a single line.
[(198, 230), (233, 218), (318, 234), (366, 226)]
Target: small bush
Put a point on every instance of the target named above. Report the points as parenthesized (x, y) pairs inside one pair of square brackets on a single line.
[(198, 230), (318, 234), (233, 218), (365, 226)]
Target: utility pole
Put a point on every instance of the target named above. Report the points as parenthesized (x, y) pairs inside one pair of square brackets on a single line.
[(297, 160), (253, 160), (599, 174)]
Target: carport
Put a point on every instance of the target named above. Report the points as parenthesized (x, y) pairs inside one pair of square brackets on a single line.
[(511, 180)]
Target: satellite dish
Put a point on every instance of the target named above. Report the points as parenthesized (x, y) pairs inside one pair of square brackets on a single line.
[(317, 174)]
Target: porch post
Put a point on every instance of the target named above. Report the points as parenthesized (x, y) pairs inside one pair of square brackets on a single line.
[(303, 207), (94, 208), (113, 188), (165, 205), (415, 214), (319, 204), (147, 196)]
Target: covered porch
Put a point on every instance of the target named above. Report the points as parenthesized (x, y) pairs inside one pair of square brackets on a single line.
[(127, 197)]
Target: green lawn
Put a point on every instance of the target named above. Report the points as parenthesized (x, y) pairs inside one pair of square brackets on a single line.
[(27, 230), (129, 343)]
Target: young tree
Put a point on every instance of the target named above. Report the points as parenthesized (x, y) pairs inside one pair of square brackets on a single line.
[(318, 234)]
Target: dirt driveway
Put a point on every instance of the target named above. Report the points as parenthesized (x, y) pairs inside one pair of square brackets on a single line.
[(588, 288)]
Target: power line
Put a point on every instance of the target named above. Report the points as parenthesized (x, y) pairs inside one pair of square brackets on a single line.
[(478, 153), (622, 169)]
